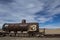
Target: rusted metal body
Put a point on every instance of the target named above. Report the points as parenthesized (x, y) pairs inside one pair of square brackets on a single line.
[(15, 27), (20, 27), (29, 27)]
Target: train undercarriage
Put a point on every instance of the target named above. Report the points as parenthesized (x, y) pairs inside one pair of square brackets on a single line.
[(21, 34)]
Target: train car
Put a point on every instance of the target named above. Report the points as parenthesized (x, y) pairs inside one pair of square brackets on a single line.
[(30, 28)]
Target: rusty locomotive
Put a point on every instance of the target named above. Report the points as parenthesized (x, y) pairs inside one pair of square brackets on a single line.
[(30, 28)]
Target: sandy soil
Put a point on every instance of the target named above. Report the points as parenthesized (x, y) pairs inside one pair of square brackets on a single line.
[(32, 38), (51, 31)]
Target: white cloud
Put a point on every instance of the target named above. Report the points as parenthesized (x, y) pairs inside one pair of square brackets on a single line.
[(26, 9), (51, 9), (44, 19), (20, 9)]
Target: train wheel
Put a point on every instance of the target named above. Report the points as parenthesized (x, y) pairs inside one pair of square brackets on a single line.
[(31, 34), (37, 35), (9, 33), (15, 32)]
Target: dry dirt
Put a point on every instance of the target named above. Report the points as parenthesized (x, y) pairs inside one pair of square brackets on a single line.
[(51, 31), (25, 38)]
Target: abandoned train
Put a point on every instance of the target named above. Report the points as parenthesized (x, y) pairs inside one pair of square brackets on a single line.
[(30, 28)]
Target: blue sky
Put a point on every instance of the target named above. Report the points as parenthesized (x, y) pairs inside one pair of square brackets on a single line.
[(45, 12)]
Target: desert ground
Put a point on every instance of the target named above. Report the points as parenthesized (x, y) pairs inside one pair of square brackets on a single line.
[(51, 31), (31, 38)]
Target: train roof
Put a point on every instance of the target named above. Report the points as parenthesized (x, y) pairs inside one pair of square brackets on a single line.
[(20, 23), (23, 22)]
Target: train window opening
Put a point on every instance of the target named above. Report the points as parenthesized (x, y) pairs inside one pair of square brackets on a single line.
[(6, 25)]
